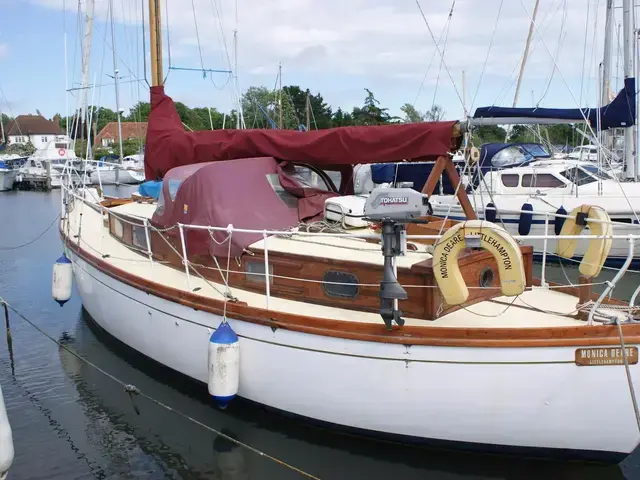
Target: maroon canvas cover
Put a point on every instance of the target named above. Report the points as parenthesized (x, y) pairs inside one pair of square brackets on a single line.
[(168, 145), (233, 192)]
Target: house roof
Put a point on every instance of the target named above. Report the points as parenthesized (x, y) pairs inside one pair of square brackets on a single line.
[(129, 130), (32, 125)]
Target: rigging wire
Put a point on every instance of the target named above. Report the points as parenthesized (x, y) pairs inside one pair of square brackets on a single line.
[(195, 23), (584, 51), (433, 56), (444, 64), (486, 59), (134, 390), (512, 78), (444, 48), (561, 37)]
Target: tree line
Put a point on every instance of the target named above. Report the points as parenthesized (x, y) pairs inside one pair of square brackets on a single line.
[(296, 109)]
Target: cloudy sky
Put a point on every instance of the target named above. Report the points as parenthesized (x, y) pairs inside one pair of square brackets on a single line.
[(335, 47)]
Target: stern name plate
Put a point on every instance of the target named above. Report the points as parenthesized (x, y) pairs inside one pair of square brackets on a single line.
[(589, 357)]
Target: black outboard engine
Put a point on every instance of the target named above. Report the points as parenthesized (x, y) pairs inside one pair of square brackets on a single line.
[(394, 208)]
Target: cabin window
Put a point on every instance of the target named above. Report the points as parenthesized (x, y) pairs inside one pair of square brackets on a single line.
[(309, 178), (578, 176), (118, 228), (173, 185), (254, 272), (288, 199), (340, 284), (510, 180), (61, 145), (139, 237), (622, 220), (543, 180)]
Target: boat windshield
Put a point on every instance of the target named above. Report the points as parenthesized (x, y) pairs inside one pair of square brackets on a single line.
[(584, 175), (598, 172)]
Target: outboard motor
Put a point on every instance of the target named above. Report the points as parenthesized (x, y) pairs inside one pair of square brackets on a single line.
[(394, 208)]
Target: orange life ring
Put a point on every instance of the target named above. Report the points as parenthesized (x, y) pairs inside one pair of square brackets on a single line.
[(62, 152)]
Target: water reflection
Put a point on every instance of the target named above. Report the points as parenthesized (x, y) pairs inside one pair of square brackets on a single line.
[(187, 450)]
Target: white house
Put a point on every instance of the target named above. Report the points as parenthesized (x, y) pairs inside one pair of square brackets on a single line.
[(34, 128)]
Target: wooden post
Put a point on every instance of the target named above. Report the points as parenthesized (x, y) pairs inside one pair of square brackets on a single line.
[(445, 164)]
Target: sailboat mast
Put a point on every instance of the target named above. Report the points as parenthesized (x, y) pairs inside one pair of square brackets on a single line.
[(606, 67), (1, 128), (115, 80), (86, 56), (606, 58), (155, 42), (628, 60), (526, 52)]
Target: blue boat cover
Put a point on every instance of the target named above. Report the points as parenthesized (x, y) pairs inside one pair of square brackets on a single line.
[(409, 172), (621, 112), (152, 188)]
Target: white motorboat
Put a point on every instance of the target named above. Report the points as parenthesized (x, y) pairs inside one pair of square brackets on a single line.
[(50, 162), (129, 172), (7, 176), (548, 187)]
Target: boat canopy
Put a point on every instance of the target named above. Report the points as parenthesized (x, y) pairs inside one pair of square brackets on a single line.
[(168, 145), (251, 193), (506, 155), (621, 112)]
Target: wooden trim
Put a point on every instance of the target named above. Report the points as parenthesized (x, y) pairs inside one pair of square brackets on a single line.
[(572, 336)]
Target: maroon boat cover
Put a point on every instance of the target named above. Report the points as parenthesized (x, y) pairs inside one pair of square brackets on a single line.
[(169, 145), (251, 193)]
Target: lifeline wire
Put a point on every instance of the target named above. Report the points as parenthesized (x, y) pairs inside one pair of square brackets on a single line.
[(133, 389)]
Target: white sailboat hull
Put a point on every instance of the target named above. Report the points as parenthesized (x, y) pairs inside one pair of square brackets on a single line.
[(533, 397), (125, 177), (7, 179)]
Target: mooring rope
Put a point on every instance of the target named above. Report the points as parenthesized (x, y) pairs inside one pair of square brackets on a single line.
[(35, 239), (132, 389), (632, 391)]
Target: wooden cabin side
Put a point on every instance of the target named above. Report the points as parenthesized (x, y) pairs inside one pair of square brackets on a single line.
[(324, 281)]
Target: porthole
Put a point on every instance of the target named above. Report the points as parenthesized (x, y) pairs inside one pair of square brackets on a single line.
[(340, 284), (486, 278)]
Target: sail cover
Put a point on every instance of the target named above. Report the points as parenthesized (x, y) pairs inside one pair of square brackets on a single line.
[(621, 112), (169, 145)]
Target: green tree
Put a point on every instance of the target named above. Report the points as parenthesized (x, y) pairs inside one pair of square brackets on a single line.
[(258, 103), (139, 112), (371, 113), (341, 119), (411, 114), (489, 134)]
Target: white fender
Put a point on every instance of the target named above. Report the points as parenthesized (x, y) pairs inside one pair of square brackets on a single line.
[(6, 440), (598, 249), (224, 365), (496, 241), (62, 280)]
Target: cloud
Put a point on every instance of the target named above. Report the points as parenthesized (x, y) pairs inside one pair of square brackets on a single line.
[(333, 44), (4, 50)]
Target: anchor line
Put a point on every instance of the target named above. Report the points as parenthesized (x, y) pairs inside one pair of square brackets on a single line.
[(35, 239), (132, 389)]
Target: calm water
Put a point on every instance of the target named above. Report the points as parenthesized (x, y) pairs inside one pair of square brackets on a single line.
[(69, 421)]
